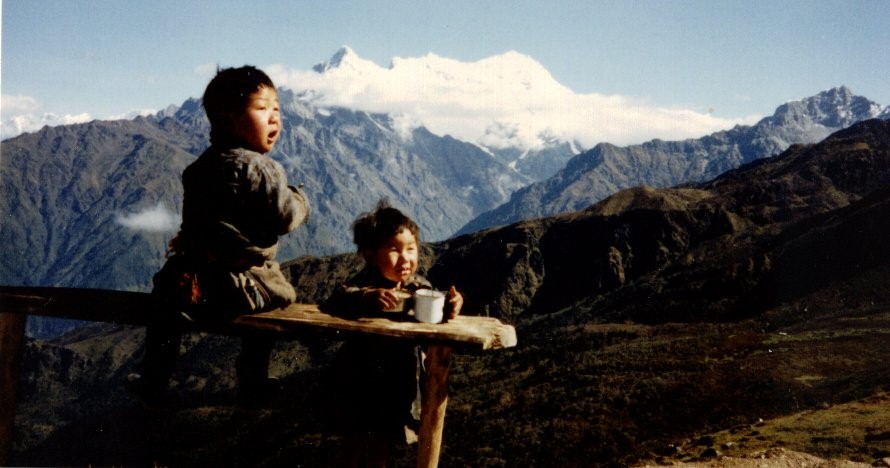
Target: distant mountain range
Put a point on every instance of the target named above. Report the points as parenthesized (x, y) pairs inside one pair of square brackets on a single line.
[(69, 187), (606, 168), (727, 238), (76, 191), (758, 293)]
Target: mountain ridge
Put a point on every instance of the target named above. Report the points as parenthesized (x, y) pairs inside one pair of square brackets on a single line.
[(715, 213), (341, 155), (70, 189), (606, 168)]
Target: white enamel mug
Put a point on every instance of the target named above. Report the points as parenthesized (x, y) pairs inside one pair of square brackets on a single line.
[(429, 305)]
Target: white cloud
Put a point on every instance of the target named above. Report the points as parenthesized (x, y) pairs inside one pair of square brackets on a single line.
[(21, 114), (404, 124), (504, 100), (18, 104), (133, 114), (156, 219), (19, 124), (206, 70), (501, 100)]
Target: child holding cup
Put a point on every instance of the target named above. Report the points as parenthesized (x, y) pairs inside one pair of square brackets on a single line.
[(375, 379)]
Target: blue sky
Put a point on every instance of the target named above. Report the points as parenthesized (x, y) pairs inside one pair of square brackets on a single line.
[(731, 59)]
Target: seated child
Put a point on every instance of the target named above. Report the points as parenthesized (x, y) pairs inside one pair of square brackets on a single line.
[(236, 203), (375, 379)]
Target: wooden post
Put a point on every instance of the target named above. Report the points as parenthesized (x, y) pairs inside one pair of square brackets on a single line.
[(12, 334), (434, 400)]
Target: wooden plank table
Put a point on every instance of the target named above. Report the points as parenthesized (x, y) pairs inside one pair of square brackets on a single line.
[(133, 308)]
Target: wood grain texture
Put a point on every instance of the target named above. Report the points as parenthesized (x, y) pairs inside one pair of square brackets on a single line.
[(134, 308)]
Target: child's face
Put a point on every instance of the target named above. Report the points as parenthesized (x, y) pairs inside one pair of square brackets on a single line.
[(259, 126), (397, 258)]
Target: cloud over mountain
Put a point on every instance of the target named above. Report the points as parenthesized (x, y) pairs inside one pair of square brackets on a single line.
[(504, 101), (508, 100), (22, 114), (153, 219)]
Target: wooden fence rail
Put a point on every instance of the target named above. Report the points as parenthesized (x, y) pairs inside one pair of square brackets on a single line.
[(133, 308)]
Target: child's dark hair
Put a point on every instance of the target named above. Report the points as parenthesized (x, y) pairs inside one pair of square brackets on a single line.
[(372, 229), (228, 93)]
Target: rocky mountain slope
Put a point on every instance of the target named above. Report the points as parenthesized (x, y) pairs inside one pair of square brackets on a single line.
[(72, 190), (605, 169), (63, 189), (719, 233), (67, 189), (645, 320)]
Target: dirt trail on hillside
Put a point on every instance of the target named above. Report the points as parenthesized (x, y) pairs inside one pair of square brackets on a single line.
[(775, 458)]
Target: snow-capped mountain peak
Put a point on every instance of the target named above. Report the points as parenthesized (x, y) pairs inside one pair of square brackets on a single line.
[(345, 60), (507, 100), (837, 107)]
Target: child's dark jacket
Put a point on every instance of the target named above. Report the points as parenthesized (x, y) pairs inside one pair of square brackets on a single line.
[(236, 204), (374, 379)]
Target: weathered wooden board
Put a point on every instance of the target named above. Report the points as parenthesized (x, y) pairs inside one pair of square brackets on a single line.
[(95, 305), (482, 332), (135, 308)]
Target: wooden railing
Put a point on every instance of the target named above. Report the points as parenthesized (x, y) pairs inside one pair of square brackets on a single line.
[(462, 333)]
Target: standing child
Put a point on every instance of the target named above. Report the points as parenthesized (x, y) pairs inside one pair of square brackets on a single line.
[(222, 262), (375, 379)]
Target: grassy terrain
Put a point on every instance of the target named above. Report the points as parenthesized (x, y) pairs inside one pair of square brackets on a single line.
[(613, 394), (858, 431), (571, 394)]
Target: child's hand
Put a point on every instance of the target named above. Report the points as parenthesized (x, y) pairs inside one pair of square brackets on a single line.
[(380, 299), (455, 302)]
